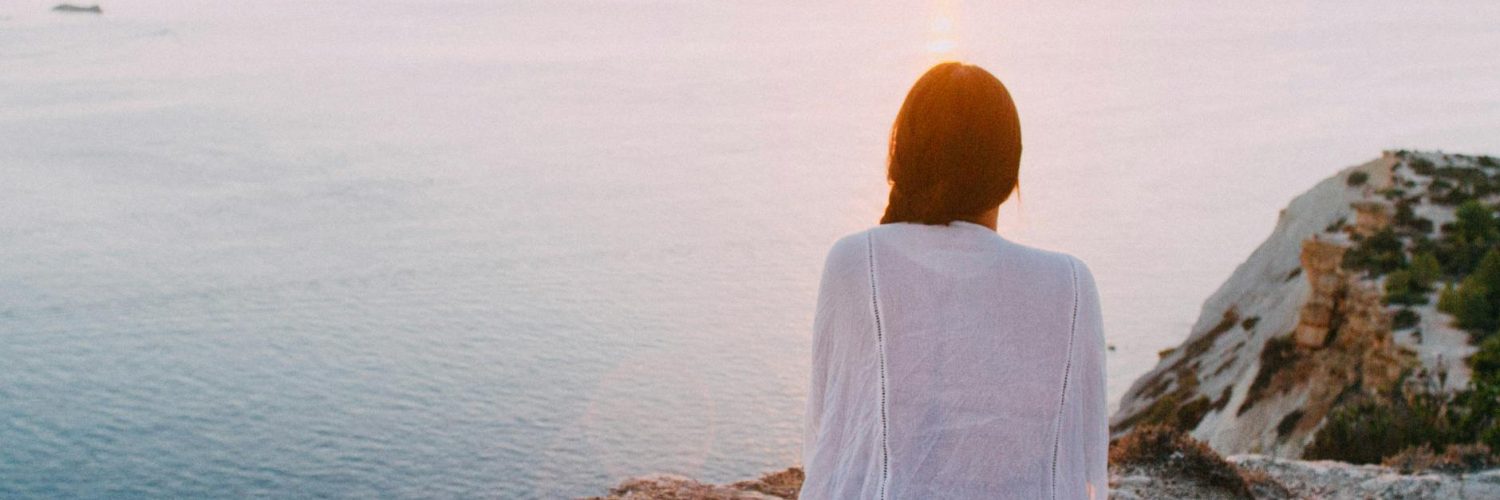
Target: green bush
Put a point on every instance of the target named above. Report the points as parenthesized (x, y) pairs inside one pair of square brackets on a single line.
[(1476, 223), (1401, 288), (1472, 308), (1370, 431), (1405, 318), (1377, 254), (1407, 219), (1422, 166), (1357, 178), (1425, 271), (1486, 362), (1474, 232), (1476, 302), (1479, 414), (1183, 408)]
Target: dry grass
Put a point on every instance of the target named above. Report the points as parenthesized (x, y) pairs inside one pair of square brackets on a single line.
[(1172, 452), (1456, 458)]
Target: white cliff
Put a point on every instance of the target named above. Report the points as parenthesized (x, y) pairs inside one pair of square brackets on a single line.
[(1293, 332)]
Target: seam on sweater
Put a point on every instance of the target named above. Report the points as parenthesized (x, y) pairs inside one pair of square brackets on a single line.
[(885, 441), (1067, 372)]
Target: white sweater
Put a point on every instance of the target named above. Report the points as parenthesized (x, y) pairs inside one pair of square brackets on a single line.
[(948, 362)]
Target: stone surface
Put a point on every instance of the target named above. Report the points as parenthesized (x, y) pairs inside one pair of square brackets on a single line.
[(1301, 479)]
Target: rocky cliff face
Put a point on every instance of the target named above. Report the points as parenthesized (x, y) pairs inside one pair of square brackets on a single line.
[(1295, 331)]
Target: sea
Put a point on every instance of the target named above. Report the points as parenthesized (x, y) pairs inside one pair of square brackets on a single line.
[(526, 249)]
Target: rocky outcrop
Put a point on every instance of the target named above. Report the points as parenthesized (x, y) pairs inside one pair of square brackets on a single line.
[(1274, 478), (1295, 332), (1341, 348), (780, 485), (1370, 217), (1338, 480)]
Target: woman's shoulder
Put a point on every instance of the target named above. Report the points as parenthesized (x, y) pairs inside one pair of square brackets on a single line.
[(1056, 260), (852, 243), (1050, 266), (849, 256)]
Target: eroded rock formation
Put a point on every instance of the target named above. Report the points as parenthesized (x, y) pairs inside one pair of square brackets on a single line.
[(1295, 331)]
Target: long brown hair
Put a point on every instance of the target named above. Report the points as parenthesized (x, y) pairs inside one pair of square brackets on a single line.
[(955, 147)]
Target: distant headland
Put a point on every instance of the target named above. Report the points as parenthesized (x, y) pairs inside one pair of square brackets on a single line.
[(84, 9)]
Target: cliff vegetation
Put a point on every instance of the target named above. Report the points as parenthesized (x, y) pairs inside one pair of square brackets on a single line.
[(1363, 330)]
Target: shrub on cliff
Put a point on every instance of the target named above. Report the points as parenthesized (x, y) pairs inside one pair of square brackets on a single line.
[(1357, 178), (1474, 232), (1457, 458), (1373, 431), (1405, 318), (1425, 271), (1422, 166), (1413, 459), (1486, 362), (1469, 458), (1407, 219), (1182, 408), (1401, 288), (1172, 451), (1377, 254), (1370, 431), (1476, 301), (1470, 305), (1480, 404)]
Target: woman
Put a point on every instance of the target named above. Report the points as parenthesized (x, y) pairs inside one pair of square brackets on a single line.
[(949, 362)]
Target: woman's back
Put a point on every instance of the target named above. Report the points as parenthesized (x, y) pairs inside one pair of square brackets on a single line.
[(951, 363)]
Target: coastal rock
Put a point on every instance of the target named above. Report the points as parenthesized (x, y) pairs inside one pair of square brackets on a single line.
[(1338, 480), (781, 485), (1322, 265), (1276, 478), (1293, 333)]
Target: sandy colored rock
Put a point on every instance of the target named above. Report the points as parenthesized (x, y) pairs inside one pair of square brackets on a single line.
[(1370, 217)]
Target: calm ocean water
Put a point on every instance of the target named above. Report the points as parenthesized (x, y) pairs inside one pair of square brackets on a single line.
[(525, 249)]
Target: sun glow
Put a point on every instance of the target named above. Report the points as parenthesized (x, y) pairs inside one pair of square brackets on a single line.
[(942, 43)]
